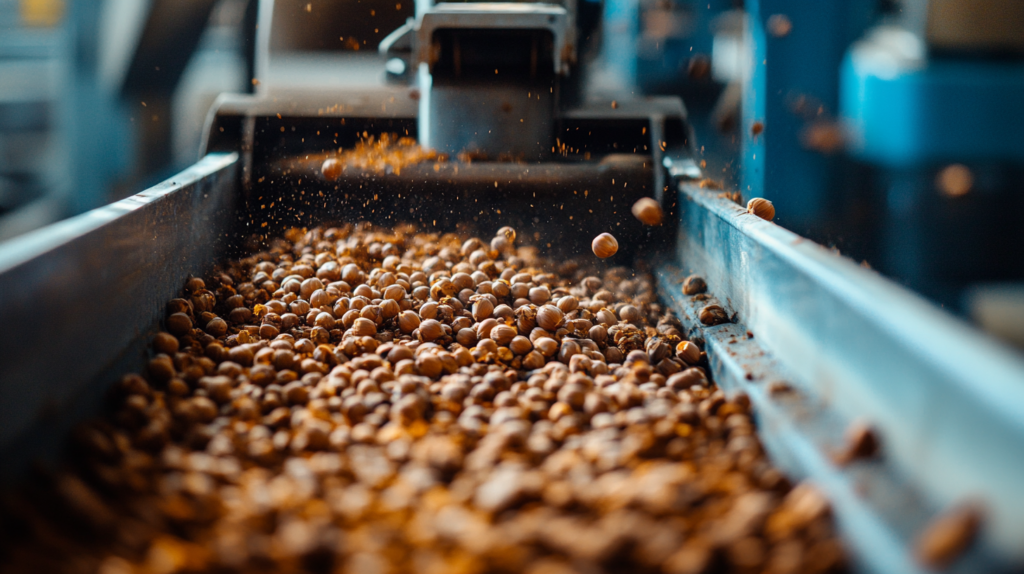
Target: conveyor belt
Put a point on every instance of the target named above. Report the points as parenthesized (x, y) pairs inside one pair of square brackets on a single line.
[(948, 403)]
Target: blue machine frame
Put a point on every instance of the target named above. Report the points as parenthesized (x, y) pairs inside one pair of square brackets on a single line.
[(947, 402)]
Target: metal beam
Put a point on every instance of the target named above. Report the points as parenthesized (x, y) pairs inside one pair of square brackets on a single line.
[(946, 400), (83, 296)]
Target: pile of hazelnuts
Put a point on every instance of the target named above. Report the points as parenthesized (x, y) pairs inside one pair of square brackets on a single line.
[(357, 399)]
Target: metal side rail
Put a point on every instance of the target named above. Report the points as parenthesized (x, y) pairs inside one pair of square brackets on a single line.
[(81, 298), (946, 401)]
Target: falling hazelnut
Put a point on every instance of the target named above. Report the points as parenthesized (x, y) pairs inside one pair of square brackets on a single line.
[(605, 245), (647, 211), (779, 25), (331, 169), (955, 180)]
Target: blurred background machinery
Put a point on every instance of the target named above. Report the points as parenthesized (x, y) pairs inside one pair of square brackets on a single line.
[(889, 130), (101, 99)]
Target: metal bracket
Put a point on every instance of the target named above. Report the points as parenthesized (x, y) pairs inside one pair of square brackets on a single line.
[(497, 16)]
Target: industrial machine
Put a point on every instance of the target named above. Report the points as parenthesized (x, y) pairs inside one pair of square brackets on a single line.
[(817, 341), (864, 110)]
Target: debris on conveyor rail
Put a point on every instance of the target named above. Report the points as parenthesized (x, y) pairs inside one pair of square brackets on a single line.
[(949, 535), (364, 400)]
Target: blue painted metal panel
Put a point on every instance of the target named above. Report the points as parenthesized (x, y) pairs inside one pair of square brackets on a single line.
[(620, 26), (877, 512), (793, 81), (109, 270), (905, 114), (648, 45), (948, 402)]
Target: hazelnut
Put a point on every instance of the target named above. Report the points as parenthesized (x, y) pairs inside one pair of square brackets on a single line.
[(408, 321), (165, 343), (520, 345), (179, 324), (688, 353), (324, 319), (482, 309), (389, 309), (605, 245), (539, 295), (549, 317), (779, 25), (568, 349), (429, 365), (503, 335), (332, 169), (466, 337), (546, 346), (394, 292), (430, 330), (363, 327), (713, 315), (687, 378), (217, 327), (428, 310), (657, 349), (385, 375), (762, 208), (647, 211), (694, 284), (629, 314), (161, 368), (568, 303), (533, 360)]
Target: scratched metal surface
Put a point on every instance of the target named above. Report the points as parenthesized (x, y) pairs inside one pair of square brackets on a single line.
[(85, 293), (947, 401)]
